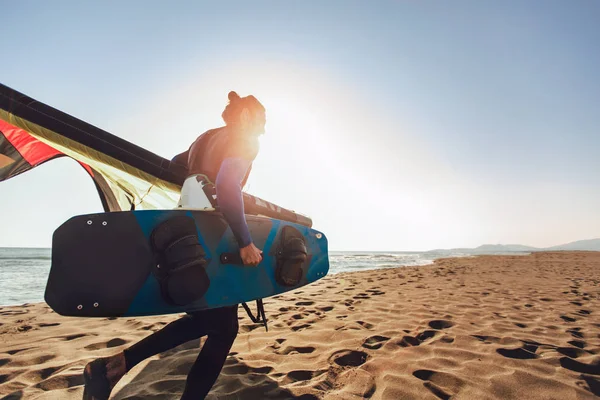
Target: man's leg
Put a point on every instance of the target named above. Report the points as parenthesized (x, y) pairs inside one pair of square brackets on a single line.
[(206, 369), (172, 335), (186, 328)]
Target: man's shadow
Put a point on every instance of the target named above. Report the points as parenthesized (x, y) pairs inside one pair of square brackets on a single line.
[(164, 378)]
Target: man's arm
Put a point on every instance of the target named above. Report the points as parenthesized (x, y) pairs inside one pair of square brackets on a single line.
[(181, 158), (229, 196)]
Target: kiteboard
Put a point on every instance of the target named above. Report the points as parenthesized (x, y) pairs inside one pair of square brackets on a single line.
[(151, 262)]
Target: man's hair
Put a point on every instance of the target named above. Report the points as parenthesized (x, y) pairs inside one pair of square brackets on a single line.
[(231, 114)]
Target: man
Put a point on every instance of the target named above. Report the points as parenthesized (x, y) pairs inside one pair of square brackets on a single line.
[(224, 156)]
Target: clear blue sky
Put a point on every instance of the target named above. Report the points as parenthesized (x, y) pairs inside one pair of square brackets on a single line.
[(395, 125)]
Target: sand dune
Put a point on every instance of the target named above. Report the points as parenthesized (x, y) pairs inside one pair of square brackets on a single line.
[(490, 327)]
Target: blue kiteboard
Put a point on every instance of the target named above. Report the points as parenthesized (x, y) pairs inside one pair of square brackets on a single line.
[(139, 263)]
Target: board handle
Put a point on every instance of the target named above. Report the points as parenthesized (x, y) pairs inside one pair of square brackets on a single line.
[(232, 258)]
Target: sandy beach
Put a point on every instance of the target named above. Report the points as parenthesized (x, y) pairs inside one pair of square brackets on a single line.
[(488, 327)]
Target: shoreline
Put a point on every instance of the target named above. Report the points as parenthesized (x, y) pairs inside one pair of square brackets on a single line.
[(485, 327)]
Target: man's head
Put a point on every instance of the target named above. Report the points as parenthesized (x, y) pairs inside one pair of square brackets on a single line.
[(245, 114)]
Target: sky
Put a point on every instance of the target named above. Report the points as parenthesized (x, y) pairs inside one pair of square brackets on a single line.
[(396, 126)]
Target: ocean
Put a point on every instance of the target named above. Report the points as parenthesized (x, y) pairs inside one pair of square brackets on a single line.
[(24, 271)]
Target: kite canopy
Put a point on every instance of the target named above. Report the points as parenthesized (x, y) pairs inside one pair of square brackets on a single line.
[(127, 176)]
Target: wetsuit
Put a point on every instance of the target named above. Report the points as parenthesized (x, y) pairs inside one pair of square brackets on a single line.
[(221, 324)]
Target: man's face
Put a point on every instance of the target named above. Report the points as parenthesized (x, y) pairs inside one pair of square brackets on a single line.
[(260, 119), (253, 122)]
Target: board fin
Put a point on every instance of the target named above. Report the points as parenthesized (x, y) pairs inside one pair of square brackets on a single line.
[(260, 313)]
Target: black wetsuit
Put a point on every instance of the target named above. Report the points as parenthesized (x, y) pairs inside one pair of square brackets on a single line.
[(221, 327)]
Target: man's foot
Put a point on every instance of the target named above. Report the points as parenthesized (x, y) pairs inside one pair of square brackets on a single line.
[(101, 376)]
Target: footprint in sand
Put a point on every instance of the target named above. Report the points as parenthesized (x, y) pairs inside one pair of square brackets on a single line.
[(14, 313), (573, 352), (250, 327), (37, 360), (574, 365), (487, 339), (526, 352), (300, 327), (73, 337), (426, 335), (299, 375), (578, 343), (575, 333), (15, 351), (440, 324), (41, 374), (567, 319), (24, 328), (375, 342), (5, 378), (442, 385), (305, 303), (106, 345), (447, 339), (61, 382), (593, 383), (325, 308), (408, 341), (154, 327), (349, 358), (296, 349), (365, 325), (302, 375), (48, 325)]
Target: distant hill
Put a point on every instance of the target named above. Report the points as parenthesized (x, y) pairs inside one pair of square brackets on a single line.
[(590, 245), (504, 247), (585, 245)]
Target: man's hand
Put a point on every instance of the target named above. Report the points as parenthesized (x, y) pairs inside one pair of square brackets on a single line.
[(251, 255)]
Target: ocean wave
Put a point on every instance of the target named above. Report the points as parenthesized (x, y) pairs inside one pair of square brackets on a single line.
[(26, 258)]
